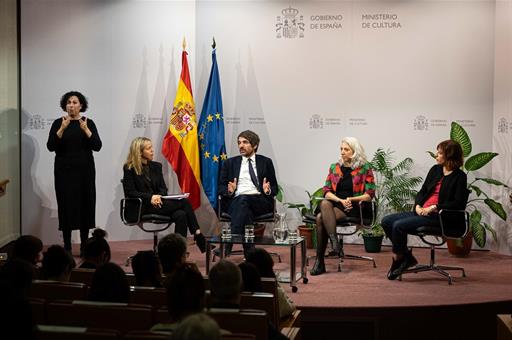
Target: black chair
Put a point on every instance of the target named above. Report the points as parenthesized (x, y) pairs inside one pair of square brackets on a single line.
[(131, 214), (224, 217), (348, 226), (453, 224)]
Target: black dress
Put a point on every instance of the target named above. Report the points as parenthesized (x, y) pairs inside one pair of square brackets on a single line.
[(75, 174)]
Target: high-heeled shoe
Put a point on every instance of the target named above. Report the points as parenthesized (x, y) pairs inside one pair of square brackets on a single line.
[(200, 242)]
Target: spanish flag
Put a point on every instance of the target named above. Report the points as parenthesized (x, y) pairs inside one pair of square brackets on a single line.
[(180, 145)]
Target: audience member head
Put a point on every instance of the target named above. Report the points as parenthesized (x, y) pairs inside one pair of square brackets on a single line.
[(109, 284), (197, 327), (28, 248), (15, 311), (172, 251), (135, 156), (146, 268), (251, 279), (262, 260), (252, 137), (57, 264), (452, 156), (97, 250), (185, 292), (16, 276), (358, 158), (225, 283)]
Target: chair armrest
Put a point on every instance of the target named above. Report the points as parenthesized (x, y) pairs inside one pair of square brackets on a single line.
[(454, 223), (361, 205), (131, 210)]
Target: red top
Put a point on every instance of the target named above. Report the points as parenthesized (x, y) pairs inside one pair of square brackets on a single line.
[(433, 199)]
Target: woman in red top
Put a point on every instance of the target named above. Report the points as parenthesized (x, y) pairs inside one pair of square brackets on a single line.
[(444, 188)]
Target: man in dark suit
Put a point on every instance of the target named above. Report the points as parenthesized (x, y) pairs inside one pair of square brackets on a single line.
[(248, 183)]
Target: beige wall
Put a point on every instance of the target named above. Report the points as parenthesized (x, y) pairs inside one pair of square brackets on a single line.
[(9, 123)]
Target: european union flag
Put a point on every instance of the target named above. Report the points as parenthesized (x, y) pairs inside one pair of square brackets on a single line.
[(212, 146)]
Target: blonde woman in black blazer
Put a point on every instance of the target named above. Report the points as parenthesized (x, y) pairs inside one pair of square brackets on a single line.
[(143, 179)]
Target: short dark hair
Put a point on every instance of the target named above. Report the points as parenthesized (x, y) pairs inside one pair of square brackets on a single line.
[(225, 281), (27, 247), (252, 137), (96, 245), (81, 99), (56, 261), (185, 292), (146, 268), (109, 284), (251, 278), (453, 154), (171, 250), (262, 260)]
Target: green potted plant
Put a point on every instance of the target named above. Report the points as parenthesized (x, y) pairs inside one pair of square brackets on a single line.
[(478, 199), (394, 192), (308, 230)]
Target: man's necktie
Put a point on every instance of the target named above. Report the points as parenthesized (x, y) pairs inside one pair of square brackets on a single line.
[(254, 179)]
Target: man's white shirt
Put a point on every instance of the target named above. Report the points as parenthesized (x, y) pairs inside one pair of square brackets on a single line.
[(245, 186)]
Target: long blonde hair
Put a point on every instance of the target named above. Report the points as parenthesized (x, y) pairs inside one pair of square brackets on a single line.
[(134, 159), (359, 156)]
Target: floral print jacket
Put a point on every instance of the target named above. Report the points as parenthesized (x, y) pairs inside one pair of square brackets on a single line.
[(363, 181)]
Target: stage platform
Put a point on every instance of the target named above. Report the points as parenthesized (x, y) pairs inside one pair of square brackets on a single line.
[(361, 303)]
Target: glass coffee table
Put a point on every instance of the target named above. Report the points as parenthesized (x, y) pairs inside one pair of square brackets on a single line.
[(265, 241)]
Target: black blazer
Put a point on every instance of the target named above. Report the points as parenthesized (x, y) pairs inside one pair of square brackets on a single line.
[(231, 170), (453, 193), (138, 186)]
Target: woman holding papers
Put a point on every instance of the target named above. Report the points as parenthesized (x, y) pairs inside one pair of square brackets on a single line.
[(349, 180), (143, 179)]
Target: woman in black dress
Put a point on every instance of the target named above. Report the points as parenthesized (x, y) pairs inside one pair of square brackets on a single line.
[(74, 138), (143, 179)]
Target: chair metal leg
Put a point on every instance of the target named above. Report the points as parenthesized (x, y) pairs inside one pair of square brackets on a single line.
[(440, 269), (344, 256)]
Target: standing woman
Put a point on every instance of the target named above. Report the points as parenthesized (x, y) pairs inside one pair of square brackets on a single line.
[(143, 179), (444, 188), (74, 138), (348, 182)]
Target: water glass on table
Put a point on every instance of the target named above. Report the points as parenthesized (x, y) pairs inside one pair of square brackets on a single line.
[(249, 231), (225, 232)]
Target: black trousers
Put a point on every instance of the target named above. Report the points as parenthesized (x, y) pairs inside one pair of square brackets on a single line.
[(180, 211), (243, 208)]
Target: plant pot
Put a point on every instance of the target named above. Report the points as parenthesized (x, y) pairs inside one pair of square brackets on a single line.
[(372, 244), (307, 233), (460, 247)]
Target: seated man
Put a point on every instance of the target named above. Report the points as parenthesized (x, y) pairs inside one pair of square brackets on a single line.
[(172, 252), (226, 285), (185, 296), (249, 183)]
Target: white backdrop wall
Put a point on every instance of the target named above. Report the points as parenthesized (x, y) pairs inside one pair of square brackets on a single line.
[(393, 74), (502, 129)]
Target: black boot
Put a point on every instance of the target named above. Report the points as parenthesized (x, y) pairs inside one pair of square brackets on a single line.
[(66, 236), (318, 267), (392, 275), (398, 267), (200, 242), (335, 244)]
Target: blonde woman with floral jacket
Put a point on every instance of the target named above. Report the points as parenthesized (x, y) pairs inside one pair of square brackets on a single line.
[(349, 181)]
